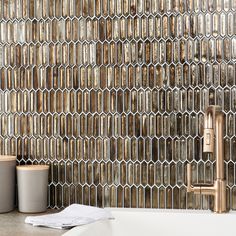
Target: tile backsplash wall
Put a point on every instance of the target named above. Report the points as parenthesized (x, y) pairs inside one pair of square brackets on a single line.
[(112, 93)]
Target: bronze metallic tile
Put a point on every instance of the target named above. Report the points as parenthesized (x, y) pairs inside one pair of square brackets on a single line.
[(120, 196), (112, 94), (113, 197), (86, 195), (78, 194), (93, 195)]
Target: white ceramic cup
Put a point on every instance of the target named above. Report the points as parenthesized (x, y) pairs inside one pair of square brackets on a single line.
[(32, 183), (7, 183)]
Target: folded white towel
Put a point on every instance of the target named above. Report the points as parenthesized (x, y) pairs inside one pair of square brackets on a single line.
[(71, 216)]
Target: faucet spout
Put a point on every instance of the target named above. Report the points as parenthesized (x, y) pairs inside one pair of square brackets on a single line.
[(219, 120), (213, 143)]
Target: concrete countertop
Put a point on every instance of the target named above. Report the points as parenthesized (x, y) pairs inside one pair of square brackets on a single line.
[(12, 224)]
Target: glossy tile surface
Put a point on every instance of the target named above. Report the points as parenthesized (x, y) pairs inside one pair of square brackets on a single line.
[(112, 94)]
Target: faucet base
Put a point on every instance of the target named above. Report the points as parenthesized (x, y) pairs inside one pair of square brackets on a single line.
[(220, 196)]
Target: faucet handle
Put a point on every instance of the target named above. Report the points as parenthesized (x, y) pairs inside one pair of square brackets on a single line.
[(189, 178), (208, 140)]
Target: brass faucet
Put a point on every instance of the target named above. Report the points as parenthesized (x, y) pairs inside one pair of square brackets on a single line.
[(213, 143)]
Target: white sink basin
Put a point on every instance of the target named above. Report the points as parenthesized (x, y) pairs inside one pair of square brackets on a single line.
[(152, 222)]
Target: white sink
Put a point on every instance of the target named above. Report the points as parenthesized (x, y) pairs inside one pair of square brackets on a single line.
[(152, 222)]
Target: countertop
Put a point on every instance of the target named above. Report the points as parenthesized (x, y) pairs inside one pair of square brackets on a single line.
[(12, 224)]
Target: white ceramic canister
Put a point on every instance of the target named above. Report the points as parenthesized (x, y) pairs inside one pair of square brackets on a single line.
[(7, 183), (32, 185)]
